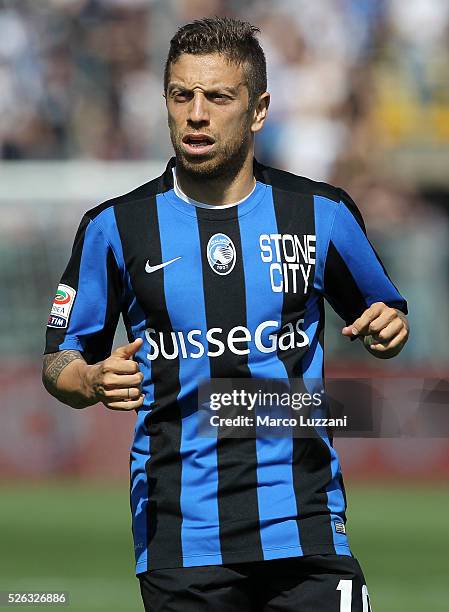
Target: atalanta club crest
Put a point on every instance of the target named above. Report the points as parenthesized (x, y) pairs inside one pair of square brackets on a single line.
[(221, 254)]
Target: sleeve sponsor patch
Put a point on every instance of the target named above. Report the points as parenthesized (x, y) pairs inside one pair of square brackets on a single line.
[(62, 305)]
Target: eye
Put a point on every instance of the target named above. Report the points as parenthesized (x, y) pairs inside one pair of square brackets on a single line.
[(219, 98), (180, 96)]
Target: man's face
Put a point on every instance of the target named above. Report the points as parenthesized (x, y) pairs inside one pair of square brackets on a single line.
[(210, 123)]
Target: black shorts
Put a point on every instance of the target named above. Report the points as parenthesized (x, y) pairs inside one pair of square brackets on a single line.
[(315, 583)]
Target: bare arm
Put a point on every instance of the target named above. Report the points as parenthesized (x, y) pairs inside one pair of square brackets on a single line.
[(116, 381), (62, 376)]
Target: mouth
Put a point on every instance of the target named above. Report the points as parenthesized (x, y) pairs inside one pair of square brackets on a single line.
[(197, 144)]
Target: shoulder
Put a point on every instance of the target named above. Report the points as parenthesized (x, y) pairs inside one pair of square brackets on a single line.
[(143, 192), (300, 185), (134, 197), (287, 181)]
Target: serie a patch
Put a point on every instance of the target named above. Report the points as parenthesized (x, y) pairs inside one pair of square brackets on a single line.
[(62, 305), (340, 527)]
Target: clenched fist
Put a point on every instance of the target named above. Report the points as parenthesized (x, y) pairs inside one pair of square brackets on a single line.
[(116, 381)]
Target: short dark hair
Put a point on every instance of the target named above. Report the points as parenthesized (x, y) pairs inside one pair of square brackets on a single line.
[(232, 38)]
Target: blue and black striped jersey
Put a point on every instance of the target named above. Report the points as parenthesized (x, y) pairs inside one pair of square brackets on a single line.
[(213, 294)]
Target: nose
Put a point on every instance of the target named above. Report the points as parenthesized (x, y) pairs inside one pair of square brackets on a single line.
[(198, 111)]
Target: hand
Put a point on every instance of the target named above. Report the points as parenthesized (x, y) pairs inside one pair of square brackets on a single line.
[(116, 381), (385, 330)]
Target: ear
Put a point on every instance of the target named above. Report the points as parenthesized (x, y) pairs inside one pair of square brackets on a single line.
[(260, 112)]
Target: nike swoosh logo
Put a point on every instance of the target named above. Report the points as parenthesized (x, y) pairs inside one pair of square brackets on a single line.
[(149, 269)]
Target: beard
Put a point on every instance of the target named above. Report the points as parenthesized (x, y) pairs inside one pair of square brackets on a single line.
[(223, 162)]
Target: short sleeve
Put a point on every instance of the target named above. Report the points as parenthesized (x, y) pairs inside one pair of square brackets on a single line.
[(354, 276), (88, 300)]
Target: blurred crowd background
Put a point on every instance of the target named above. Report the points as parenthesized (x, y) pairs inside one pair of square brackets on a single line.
[(350, 78), (360, 98)]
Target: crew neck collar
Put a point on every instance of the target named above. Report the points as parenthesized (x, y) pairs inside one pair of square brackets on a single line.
[(216, 213), (183, 196)]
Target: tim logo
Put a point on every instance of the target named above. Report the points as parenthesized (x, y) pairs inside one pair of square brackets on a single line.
[(221, 254), (56, 321)]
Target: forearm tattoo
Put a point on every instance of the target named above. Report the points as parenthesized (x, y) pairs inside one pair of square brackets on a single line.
[(54, 364)]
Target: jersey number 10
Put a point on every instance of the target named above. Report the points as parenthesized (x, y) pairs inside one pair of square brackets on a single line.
[(345, 588)]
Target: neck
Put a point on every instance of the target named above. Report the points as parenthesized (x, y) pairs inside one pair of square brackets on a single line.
[(221, 190)]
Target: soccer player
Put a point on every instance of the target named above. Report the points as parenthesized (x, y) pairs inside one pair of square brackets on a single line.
[(219, 268)]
